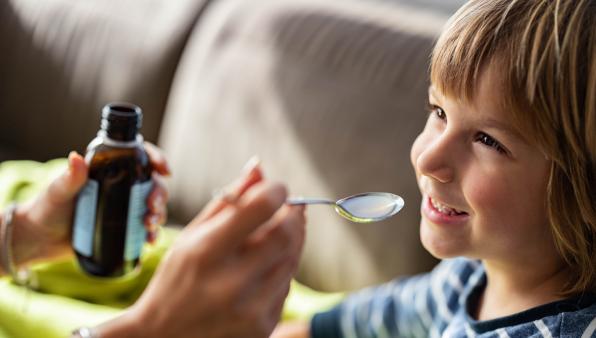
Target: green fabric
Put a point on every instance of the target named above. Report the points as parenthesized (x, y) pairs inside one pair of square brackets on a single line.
[(65, 298)]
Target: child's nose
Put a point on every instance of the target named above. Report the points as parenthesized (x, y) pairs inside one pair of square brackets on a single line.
[(436, 160)]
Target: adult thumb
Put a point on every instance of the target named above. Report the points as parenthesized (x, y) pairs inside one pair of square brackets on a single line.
[(64, 188)]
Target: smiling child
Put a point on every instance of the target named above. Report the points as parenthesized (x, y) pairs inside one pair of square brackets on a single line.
[(506, 165)]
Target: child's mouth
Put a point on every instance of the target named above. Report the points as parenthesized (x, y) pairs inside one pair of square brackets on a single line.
[(445, 210)]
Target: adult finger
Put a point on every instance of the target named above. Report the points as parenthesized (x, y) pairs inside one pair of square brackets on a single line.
[(270, 293), (281, 237), (64, 188), (257, 258), (156, 205), (251, 174), (157, 159), (277, 280), (227, 230), (278, 301)]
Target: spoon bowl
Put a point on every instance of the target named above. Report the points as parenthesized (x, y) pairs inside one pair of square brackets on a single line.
[(361, 208)]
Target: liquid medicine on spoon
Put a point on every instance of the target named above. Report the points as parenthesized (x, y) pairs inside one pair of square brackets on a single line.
[(369, 207)]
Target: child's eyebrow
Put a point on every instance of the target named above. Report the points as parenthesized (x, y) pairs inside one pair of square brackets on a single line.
[(495, 124), (434, 94)]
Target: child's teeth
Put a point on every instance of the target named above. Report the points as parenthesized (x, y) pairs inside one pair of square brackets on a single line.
[(443, 209)]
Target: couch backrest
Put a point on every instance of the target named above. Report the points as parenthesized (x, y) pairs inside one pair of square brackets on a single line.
[(62, 60), (330, 95)]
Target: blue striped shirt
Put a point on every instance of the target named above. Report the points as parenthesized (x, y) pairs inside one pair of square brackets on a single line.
[(436, 305)]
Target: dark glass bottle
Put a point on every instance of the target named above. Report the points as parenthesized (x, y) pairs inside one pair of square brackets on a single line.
[(108, 229)]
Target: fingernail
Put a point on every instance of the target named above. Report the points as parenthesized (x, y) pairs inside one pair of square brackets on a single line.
[(71, 157), (252, 163)]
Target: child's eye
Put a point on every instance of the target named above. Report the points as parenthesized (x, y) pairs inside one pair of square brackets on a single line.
[(490, 142), (437, 111)]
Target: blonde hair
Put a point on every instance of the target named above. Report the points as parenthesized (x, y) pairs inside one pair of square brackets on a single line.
[(545, 53)]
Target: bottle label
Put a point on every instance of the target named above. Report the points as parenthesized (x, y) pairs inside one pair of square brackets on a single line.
[(135, 229), (84, 219)]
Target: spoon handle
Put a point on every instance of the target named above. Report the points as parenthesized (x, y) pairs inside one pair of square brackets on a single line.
[(302, 200)]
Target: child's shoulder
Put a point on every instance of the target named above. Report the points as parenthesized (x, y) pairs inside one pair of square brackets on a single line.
[(578, 318)]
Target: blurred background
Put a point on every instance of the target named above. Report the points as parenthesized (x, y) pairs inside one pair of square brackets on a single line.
[(329, 94)]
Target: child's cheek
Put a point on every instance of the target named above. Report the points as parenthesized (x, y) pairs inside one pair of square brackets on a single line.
[(489, 200), (503, 209)]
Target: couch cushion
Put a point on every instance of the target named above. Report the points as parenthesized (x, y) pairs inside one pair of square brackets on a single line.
[(62, 60), (330, 95)]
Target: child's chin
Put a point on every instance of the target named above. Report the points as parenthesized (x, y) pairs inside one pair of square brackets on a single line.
[(441, 253), (441, 248)]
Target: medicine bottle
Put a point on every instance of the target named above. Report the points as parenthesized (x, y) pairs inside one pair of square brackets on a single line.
[(108, 228)]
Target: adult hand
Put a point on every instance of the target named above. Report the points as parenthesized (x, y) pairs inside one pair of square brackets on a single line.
[(229, 271), (43, 227)]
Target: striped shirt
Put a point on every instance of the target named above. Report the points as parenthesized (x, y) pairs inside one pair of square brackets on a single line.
[(435, 305)]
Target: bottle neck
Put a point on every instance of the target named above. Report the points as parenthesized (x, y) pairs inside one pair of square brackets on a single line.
[(123, 131), (108, 140), (120, 123)]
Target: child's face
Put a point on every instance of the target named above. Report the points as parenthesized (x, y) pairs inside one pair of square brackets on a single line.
[(483, 186)]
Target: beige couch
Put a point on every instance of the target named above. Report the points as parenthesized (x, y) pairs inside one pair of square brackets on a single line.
[(330, 95)]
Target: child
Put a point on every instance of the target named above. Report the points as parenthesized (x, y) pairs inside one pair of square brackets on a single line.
[(507, 168)]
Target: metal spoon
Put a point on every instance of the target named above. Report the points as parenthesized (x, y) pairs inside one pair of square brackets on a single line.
[(361, 208)]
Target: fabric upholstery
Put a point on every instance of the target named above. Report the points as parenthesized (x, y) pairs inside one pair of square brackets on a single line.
[(63, 60), (329, 94)]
